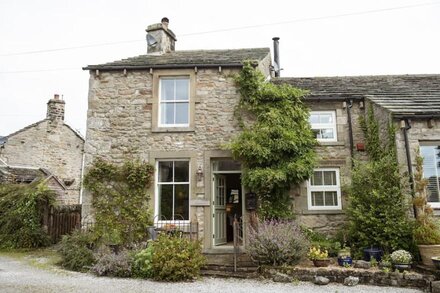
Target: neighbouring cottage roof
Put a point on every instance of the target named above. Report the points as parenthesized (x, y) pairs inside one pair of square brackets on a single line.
[(25, 174), (402, 95), (187, 59)]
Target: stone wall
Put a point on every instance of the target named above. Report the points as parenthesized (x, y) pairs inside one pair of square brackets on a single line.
[(332, 155), (52, 146)]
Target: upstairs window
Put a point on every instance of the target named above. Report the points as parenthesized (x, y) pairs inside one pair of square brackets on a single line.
[(324, 190), (174, 101), (323, 124), (431, 172)]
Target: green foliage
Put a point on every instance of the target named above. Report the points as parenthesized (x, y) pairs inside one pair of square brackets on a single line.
[(330, 244), (120, 200), (76, 251), (276, 243), (113, 265), (21, 208), (277, 147), (143, 263), (378, 211), (175, 259)]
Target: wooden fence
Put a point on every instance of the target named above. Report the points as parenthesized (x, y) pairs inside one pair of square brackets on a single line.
[(61, 220)]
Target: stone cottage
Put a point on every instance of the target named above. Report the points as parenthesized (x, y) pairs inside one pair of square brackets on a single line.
[(175, 109), (47, 149)]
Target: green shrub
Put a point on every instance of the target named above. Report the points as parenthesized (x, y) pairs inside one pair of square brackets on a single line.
[(378, 210), (76, 251), (143, 263), (21, 208), (277, 243), (176, 259), (111, 264)]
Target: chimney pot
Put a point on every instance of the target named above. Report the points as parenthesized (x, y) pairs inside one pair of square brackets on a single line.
[(56, 97), (165, 21)]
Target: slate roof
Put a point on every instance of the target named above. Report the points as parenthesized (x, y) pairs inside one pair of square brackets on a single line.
[(24, 175), (402, 95), (187, 59)]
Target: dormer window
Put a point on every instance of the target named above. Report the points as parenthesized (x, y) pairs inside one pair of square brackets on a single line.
[(174, 101)]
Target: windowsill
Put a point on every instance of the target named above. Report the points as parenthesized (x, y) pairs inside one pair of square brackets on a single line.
[(331, 143), (172, 129), (323, 212)]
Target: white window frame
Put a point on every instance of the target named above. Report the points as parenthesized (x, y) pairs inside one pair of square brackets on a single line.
[(337, 188), (435, 205), (156, 192), (317, 126), (183, 77)]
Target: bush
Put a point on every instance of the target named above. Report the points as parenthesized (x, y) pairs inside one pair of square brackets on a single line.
[(331, 244), (277, 243), (112, 264), (21, 209), (143, 263), (76, 251), (175, 259)]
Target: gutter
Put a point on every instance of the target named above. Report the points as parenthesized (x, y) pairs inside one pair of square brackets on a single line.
[(350, 130), (408, 161), (162, 66)]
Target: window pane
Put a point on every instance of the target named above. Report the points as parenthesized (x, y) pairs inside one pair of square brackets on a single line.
[(181, 203), (167, 113), (325, 118), (182, 89), (227, 165), (316, 178), (317, 198), (166, 171), (327, 133), (431, 171), (182, 113), (331, 198), (181, 171), (165, 202), (314, 118), (329, 178), (167, 89), (433, 189)]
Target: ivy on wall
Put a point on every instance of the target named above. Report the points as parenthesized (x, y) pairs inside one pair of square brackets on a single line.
[(277, 147), (120, 199), (379, 205)]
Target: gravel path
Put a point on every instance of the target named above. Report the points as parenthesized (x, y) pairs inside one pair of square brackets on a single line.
[(19, 276)]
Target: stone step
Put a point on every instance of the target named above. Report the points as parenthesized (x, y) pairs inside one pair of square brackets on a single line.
[(228, 268), (228, 259), (227, 274)]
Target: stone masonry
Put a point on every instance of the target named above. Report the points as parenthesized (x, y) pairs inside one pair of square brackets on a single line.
[(52, 145)]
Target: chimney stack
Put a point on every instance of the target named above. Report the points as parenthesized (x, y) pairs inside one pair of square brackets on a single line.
[(276, 57), (55, 109), (160, 39)]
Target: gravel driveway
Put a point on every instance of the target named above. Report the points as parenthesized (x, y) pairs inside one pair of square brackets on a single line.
[(19, 276)]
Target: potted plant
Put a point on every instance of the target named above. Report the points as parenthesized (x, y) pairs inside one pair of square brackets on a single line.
[(401, 260), (344, 257), (373, 252), (426, 232), (318, 256)]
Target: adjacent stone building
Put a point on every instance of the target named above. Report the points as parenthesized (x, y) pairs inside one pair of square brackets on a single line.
[(50, 146), (175, 109)]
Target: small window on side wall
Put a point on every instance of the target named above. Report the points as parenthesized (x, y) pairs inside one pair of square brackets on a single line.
[(324, 190), (323, 124)]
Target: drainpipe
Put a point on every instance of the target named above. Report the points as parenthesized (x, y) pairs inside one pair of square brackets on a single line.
[(276, 56), (408, 160), (350, 130)]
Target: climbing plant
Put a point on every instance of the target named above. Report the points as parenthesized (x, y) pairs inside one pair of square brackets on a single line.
[(379, 205), (276, 146), (120, 199)]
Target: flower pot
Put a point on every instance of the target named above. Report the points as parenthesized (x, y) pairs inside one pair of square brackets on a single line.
[(369, 253), (321, 262), (436, 262), (402, 266), (345, 261), (427, 252)]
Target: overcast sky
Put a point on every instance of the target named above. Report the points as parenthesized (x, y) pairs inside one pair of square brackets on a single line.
[(318, 38)]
